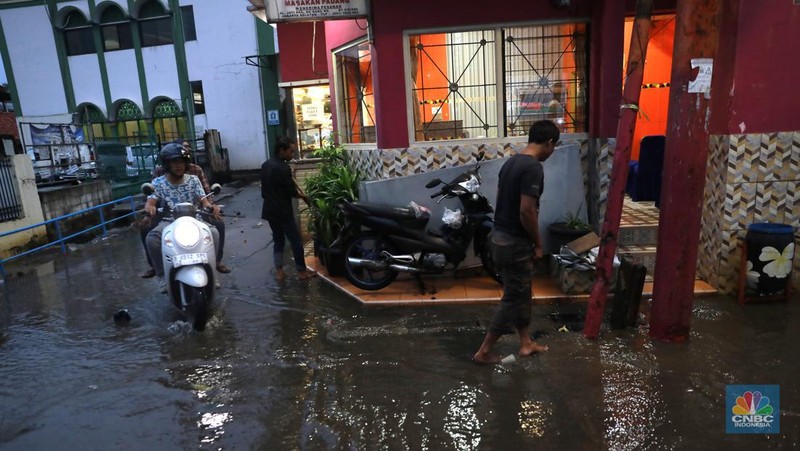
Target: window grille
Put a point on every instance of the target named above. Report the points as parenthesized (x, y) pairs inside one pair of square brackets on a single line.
[(455, 87), (354, 89), (127, 111), (10, 204), (166, 108)]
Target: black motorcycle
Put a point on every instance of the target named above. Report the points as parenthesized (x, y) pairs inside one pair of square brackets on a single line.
[(381, 241)]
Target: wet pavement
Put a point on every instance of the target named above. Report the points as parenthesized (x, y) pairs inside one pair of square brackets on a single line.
[(298, 365)]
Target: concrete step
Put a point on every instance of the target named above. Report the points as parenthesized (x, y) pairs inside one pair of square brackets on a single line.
[(642, 255), (638, 235)]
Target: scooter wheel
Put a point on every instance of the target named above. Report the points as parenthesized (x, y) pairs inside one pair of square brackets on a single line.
[(198, 306), (375, 273)]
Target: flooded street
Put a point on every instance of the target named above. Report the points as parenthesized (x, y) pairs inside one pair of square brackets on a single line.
[(298, 365)]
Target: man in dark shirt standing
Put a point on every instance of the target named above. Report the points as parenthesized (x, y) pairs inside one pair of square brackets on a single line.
[(515, 240), (278, 188)]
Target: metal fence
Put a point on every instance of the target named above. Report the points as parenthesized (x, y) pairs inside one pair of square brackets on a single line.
[(61, 239), (10, 204)]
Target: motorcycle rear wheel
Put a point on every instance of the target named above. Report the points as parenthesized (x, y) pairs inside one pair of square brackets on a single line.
[(369, 246)]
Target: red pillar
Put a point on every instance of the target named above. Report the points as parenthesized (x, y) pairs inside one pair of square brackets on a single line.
[(696, 34), (619, 170)]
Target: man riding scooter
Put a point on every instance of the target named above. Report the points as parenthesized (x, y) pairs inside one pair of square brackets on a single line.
[(147, 226), (170, 189)]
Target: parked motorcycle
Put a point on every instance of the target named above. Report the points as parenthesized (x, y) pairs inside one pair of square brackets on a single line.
[(188, 255), (381, 241)]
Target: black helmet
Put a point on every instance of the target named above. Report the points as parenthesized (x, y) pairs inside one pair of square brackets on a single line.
[(171, 152)]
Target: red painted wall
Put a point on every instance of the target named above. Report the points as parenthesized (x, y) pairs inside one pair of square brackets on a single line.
[(338, 33), (391, 19), (295, 42), (762, 93)]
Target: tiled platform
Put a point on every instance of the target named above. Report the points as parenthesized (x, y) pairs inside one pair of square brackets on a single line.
[(638, 236), (444, 290)]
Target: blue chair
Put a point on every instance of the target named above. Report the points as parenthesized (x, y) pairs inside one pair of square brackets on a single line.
[(644, 178)]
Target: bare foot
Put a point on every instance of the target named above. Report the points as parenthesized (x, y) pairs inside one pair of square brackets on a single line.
[(486, 358), (532, 348), (280, 274), (306, 274)]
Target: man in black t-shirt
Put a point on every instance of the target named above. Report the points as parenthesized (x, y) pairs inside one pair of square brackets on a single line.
[(278, 188), (515, 240)]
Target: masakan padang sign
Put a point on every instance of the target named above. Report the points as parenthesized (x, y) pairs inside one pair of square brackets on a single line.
[(304, 10)]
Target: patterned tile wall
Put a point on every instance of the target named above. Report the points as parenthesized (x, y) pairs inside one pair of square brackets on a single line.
[(378, 164), (750, 178)]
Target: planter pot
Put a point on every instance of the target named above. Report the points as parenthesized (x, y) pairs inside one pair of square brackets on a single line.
[(561, 234), (317, 245), (333, 259), (770, 254)]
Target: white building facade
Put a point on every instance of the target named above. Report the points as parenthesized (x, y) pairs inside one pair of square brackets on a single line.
[(160, 69)]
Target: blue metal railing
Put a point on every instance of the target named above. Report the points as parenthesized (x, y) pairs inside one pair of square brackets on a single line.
[(62, 239)]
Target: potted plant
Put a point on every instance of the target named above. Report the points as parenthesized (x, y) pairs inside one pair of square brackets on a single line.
[(335, 183), (570, 228)]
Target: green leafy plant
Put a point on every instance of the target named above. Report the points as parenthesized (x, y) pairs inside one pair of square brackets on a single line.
[(335, 183), (573, 221)]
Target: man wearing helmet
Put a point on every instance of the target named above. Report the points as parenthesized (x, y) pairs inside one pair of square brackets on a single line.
[(174, 187), (219, 224)]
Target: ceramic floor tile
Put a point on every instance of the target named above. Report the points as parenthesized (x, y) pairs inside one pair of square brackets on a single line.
[(462, 291), (452, 289), (482, 288)]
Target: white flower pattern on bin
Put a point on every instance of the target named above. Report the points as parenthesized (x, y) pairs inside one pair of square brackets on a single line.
[(752, 276), (780, 263)]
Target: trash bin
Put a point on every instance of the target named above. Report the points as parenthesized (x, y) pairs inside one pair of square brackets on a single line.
[(770, 254)]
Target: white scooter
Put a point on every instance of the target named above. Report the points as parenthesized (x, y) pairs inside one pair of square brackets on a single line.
[(188, 255)]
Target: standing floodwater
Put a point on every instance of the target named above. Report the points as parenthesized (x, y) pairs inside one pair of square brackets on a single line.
[(297, 365)]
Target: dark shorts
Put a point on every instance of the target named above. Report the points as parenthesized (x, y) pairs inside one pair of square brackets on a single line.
[(513, 256)]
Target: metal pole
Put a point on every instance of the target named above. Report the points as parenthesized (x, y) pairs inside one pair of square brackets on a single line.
[(60, 240), (619, 171), (696, 35)]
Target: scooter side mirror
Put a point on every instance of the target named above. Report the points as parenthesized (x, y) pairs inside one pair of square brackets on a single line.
[(434, 182), (148, 189), (216, 189)]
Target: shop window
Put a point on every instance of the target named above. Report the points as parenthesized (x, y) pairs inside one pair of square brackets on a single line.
[(354, 94), (116, 29), (189, 32), (312, 114), (197, 97), (456, 92), (78, 37), (155, 25)]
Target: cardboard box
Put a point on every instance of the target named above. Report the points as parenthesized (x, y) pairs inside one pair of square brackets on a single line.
[(584, 243)]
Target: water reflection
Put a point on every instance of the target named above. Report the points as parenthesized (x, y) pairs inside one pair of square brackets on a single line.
[(462, 422), (631, 395), (534, 416)]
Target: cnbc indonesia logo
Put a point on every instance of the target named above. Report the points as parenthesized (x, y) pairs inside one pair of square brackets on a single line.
[(752, 410)]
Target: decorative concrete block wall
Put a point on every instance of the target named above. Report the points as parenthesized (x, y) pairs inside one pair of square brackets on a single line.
[(750, 178), (380, 164)]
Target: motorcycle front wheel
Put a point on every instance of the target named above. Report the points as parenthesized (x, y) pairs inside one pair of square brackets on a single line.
[(376, 273), (198, 306)]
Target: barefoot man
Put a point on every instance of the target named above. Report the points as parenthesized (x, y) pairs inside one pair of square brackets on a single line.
[(515, 240)]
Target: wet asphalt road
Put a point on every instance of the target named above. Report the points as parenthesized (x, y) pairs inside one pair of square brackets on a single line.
[(297, 365)]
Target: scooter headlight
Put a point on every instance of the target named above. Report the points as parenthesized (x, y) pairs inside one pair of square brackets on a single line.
[(186, 234)]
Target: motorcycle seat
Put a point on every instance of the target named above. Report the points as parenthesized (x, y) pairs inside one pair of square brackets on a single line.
[(390, 212)]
